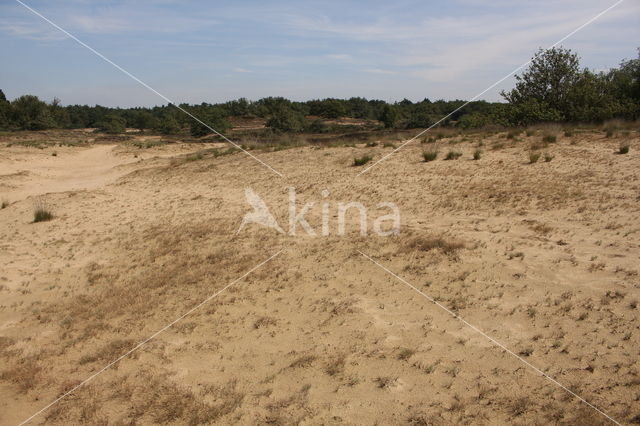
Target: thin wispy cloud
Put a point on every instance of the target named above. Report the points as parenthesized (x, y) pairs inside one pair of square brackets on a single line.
[(379, 71), (26, 30)]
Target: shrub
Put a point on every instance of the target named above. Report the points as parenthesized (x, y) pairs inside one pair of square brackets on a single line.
[(453, 155), (547, 157), (477, 154), (512, 135), (610, 133), (41, 212), (429, 156), (362, 160), (549, 138), (388, 145), (534, 157), (568, 133), (531, 132), (429, 140), (371, 144), (624, 149)]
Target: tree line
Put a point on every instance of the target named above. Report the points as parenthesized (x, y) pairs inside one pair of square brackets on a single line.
[(554, 88)]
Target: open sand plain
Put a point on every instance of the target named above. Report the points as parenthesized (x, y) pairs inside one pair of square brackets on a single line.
[(544, 258)]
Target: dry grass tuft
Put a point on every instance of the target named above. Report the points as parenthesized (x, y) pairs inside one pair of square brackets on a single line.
[(25, 374), (448, 247), (429, 155), (361, 161), (41, 212)]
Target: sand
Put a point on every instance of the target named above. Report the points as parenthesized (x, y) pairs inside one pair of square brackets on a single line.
[(541, 257)]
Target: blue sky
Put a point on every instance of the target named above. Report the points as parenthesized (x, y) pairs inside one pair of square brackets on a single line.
[(213, 51)]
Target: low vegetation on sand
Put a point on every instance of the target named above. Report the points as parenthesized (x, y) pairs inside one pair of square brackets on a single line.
[(429, 156), (534, 157), (361, 161), (41, 212), (453, 155), (624, 149)]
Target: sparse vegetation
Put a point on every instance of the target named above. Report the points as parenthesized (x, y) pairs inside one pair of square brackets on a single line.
[(446, 246), (453, 155), (549, 138), (41, 212), (429, 156), (477, 154), (405, 354), (534, 157), (361, 161), (623, 149)]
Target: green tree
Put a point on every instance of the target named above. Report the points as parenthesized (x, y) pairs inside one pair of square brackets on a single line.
[(112, 123), (30, 113), (285, 119), (212, 117), (389, 116), (145, 120), (169, 125), (544, 89)]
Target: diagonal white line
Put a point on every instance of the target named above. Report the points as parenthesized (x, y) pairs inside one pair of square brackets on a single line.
[(491, 339), (145, 341), (100, 55), (487, 89)]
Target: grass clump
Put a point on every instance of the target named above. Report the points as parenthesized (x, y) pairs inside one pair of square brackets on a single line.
[(548, 157), (534, 157), (449, 247), (194, 157), (453, 155), (371, 144), (624, 149), (41, 212), (549, 138), (388, 145), (429, 156), (405, 354), (530, 132), (477, 154), (512, 135), (362, 160)]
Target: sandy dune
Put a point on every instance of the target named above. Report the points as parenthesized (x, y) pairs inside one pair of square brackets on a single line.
[(542, 257)]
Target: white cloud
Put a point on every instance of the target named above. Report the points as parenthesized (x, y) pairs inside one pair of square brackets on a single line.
[(379, 71), (30, 30), (339, 56)]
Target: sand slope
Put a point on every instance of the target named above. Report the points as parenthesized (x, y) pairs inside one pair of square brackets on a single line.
[(543, 257)]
